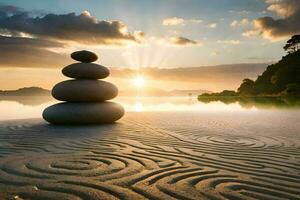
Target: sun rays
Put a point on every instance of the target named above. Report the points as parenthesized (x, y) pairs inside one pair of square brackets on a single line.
[(139, 81)]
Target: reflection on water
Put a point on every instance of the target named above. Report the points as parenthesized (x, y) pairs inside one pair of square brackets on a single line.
[(257, 102), (164, 104), (32, 107), (27, 100), (138, 107)]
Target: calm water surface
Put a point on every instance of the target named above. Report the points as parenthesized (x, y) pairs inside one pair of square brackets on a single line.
[(32, 107)]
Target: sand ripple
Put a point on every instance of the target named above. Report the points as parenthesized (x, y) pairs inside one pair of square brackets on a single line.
[(140, 159)]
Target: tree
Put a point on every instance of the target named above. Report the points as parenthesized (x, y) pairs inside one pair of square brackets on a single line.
[(292, 44), (247, 87), (228, 93), (292, 90)]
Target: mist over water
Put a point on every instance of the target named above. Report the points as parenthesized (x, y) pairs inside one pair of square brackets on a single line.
[(32, 107)]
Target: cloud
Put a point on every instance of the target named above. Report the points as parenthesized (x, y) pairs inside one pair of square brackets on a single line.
[(83, 28), (214, 53), (234, 42), (262, 59), (30, 52), (234, 23), (172, 41), (196, 21), (283, 8), (34, 39), (250, 33), (283, 27), (241, 12), (8, 9), (241, 22), (213, 25), (182, 41), (175, 21)]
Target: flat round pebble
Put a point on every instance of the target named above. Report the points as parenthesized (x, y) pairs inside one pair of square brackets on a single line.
[(85, 71), (83, 113), (84, 56), (84, 91)]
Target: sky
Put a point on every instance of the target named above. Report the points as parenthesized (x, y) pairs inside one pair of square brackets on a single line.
[(37, 37)]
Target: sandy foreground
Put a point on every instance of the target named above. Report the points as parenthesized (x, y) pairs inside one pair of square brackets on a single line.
[(154, 156)]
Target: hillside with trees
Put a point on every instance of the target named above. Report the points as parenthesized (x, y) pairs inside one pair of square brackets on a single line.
[(279, 79), (27, 91)]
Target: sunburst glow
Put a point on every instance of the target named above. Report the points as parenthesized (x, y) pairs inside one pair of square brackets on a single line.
[(139, 81), (138, 107)]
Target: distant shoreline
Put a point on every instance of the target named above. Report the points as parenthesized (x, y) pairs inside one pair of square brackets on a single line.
[(260, 101), (148, 92)]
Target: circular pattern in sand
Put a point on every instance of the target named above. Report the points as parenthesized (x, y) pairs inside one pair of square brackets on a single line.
[(139, 159)]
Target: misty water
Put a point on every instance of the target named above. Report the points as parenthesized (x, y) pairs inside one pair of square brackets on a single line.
[(32, 107)]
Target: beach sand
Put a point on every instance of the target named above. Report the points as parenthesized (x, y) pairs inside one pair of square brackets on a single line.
[(153, 156)]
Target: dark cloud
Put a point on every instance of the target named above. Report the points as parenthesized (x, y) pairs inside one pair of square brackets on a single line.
[(82, 28), (28, 39), (287, 25), (6, 10), (28, 42), (182, 41), (29, 52)]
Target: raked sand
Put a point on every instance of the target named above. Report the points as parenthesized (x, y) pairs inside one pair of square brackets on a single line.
[(154, 156)]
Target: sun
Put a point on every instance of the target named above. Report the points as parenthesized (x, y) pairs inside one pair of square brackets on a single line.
[(139, 81)]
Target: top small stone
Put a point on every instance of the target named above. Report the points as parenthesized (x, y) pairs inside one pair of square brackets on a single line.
[(84, 56)]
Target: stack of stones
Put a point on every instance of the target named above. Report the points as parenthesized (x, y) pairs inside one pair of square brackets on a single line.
[(85, 96)]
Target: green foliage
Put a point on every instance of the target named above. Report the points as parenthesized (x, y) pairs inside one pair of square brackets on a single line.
[(292, 90), (276, 78), (247, 88), (292, 44), (279, 79), (226, 93)]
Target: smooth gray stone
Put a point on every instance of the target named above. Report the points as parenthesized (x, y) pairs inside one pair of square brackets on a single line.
[(84, 56), (85, 71), (84, 91), (83, 113)]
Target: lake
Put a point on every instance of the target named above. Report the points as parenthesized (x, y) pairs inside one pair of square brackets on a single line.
[(32, 107)]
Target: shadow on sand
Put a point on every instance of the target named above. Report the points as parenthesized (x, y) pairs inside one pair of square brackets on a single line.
[(37, 128)]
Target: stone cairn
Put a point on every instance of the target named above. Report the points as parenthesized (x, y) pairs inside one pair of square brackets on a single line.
[(85, 96)]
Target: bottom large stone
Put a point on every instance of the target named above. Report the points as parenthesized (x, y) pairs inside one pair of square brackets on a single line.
[(83, 113)]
